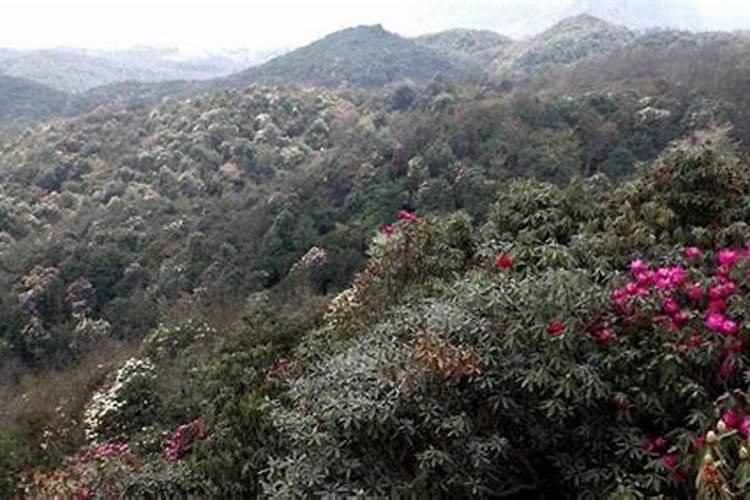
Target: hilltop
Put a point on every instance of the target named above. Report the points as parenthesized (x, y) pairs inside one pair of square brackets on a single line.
[(568, 41), (474, 46), (23, 101), (364, 56)]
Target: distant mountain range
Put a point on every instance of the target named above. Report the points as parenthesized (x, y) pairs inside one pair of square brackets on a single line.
[(363, 56), (78, 70), (523, 18)]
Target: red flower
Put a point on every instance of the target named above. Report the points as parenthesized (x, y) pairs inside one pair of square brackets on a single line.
[(504, 261), (556, 328), (698, 442), (670, 462), (727, 368), (738, 421)]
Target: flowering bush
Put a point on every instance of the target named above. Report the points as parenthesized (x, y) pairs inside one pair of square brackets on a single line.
[(124, 404), (93, 473)]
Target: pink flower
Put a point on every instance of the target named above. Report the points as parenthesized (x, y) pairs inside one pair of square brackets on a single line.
[(638, 266), (387, 229), (729, 288), (714, 321), (406, 215), (605, 336), (645, 278), (676, 275), (729, 327), (692, 252), (728, 257), (670, 306), (715, 292)]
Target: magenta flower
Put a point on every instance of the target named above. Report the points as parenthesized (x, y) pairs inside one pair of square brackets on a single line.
[(387, 229), (728, 257), (692, 252), (729, 327), (670, 462), (717, 305), (655, 445), (670, 306), (645, 278), (406, 215), (695, 292), (714, 321), (680, 318), (729, 288), (738, 421), (727, 368), (638, 266), (676, 275), (605, 336)]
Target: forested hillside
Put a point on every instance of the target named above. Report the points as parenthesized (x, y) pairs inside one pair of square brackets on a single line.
[(445, 267)]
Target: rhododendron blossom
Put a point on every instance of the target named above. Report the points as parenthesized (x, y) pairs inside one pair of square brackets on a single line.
[(728, 257), (695, 292), (406, 215), (692, 252), (638, 266), (387, 229), (182, 438), (656, 444), (504, 261), (555, 328), (714, 321), (738, 421)]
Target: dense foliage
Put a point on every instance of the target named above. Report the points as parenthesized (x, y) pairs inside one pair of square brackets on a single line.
[(429, 289)]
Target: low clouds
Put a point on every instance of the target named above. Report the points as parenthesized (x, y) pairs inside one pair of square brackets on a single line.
[(288, 23)]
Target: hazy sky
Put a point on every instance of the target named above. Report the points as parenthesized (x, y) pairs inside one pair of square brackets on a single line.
[(264, 23)]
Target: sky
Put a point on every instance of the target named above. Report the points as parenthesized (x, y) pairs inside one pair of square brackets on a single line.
[(270, 24)]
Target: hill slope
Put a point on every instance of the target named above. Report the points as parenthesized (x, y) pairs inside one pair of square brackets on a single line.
[(569, 41), (365, 56), (476, 46), (23, 101)]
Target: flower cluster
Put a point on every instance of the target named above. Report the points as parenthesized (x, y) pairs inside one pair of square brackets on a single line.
[(690, 301), (107, 403), (113, 449), (698, 306), (182, 438), (313, 258)]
